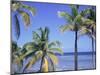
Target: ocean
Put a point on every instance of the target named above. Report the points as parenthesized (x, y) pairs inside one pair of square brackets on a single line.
[(66, 63)]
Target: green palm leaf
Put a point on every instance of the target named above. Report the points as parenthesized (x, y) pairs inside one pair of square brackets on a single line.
[(67, 27), (85, 12), (53, 57), (74, 10), (36, 36), (65, 15), (34, 59), (32, 10), (46, 33), (14, 46), (17, 27), (92, 15), (42, 33), (29, 46), (78, 20), (15, 5), (28, 53), (30, 63), (57, 50), (86, 31), (87, 21), (53, 44), (17, 60), (26, 18)]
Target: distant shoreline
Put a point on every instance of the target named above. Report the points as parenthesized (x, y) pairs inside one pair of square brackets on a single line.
[(79, 53)]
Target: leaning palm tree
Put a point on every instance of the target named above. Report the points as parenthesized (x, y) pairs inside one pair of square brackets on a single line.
[(17, 7), (42, 50), (75, 21)]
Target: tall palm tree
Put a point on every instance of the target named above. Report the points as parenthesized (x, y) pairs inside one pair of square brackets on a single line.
[(92, 16), (17, 6), (43, 50), (89, 29), (75, 21)]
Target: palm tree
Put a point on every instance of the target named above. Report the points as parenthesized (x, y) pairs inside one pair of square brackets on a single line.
[(89, 29), (92, 16), (75, 21), (16, 53), (16, 7), (43, 50)]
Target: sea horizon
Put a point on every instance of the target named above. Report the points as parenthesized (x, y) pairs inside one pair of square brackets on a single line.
[(79, 53)]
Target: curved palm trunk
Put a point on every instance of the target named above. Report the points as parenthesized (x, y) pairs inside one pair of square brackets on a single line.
[(75, 55)]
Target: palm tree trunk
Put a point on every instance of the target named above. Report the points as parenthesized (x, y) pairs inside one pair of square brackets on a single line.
[(93, 52), (75, 55)]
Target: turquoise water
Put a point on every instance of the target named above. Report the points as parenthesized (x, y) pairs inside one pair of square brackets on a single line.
[(66, 62)]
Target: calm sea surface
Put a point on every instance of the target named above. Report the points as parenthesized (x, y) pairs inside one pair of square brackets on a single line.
[(66, 62)]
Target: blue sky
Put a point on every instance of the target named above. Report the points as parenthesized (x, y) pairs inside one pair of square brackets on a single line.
[(46, 15)]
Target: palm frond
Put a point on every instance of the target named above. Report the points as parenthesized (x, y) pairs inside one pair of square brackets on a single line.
[(53, 57), (26, 18), (90, 24), (28, 53), (46, 33), (34, 59), (53, 44), (65, 15), (85, 12), (14, 46), (87, 21), (78, 20), (17, 27), (74, 10), (32, 10), (29, 46), (59, 50), (42, 33), (67, 28), (36, 36), (15, 5), (18, 61), (92, 15), (30, 63), (84, 31)]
